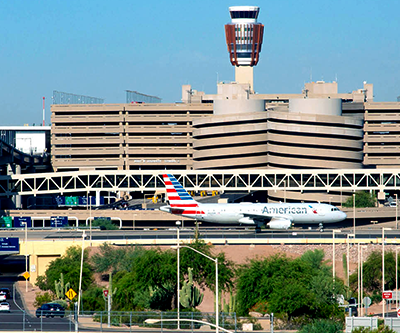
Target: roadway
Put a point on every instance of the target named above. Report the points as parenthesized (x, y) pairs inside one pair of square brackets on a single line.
[(234, 235), (18, 319)]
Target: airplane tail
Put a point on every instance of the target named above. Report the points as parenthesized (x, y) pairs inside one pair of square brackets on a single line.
[(178, 197)]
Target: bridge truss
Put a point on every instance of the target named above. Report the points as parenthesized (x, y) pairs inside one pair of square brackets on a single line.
[(198, 180)]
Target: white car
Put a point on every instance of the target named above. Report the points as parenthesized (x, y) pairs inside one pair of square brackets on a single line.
[(4, 307), (3, 297)]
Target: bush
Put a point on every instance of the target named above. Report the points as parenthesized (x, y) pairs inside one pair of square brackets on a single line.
[(41, 299), (381, 329), (323, 325), (62, 302), (104, 224)]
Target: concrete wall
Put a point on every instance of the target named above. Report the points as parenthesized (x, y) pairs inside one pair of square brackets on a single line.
[(328, 107)]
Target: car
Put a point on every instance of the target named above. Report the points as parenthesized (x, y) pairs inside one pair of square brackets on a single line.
[(50, 310), (392, 204), (3, 297), (4, 307), (5, 291)]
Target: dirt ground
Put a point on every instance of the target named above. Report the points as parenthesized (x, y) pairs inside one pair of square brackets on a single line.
[(240, 254)]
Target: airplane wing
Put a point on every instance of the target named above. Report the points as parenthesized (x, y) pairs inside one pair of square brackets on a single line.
[(274, 222)]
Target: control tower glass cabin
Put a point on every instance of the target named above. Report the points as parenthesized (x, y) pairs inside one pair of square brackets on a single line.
[(244, 35)]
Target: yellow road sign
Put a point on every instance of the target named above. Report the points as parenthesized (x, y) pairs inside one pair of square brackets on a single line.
[(71, 293), (26, 275)]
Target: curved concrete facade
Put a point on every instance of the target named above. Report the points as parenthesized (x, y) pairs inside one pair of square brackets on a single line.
[(233, 106), (323, 106), (278, 139)]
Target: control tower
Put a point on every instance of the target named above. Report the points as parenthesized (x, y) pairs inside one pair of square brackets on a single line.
[(244, 38)]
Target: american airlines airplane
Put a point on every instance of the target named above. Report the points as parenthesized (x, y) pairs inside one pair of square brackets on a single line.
[(273, 215)]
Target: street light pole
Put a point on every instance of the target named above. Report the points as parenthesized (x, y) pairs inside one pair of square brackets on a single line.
[(383, 269), (362, 282), (178, 272), (216, 281), (26, 254), (284, 191), (395, 195), (90, 218), (354, 214), (80, 274), (397, 280), (358, 278), (348, 258), (333, 253)]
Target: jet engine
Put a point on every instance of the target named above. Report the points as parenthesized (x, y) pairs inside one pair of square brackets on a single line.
[(279, 224)]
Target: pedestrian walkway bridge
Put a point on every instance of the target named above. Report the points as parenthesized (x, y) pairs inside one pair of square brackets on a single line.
[(348, 180)]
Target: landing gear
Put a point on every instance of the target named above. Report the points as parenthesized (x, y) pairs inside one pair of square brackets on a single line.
[(321, 227)]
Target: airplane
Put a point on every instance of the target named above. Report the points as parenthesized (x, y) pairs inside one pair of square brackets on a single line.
[(272, 215)]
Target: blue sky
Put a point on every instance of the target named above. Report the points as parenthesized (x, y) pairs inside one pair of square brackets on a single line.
[(102, 48)]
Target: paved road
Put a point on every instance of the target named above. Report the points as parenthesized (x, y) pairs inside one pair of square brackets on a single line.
[(19, 320), (217, 233)]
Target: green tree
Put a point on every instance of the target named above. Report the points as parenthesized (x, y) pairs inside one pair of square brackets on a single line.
[(104, 224), (114, 259), (204, 268), (152, 270), (69, 265), (363, 199), (372, 273), (289, 287)]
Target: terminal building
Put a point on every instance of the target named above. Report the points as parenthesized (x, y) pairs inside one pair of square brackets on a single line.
[(235, 128)]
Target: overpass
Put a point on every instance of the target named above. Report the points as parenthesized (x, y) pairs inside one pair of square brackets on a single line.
[(302, 180), (10, 155)]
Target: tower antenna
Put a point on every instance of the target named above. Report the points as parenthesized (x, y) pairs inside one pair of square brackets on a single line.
[(43, 113)]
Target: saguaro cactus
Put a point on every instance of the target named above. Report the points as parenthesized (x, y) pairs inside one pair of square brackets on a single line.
[(230, 306), (61, 289), (190, 295), (111, 292)]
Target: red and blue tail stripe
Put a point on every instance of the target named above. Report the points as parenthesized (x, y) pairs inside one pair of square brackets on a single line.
[(179, 198)]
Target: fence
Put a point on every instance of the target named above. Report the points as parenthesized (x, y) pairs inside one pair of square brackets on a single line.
[(102, 321)]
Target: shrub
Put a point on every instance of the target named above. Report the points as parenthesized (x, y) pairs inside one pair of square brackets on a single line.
[(323, 325), (41, 299)]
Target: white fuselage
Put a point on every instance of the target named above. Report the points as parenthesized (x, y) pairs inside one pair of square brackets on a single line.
[(246, 213)]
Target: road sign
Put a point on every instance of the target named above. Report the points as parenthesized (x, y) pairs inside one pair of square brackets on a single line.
[(26, 275), (398, 312), (105, 292), (21, 221), (387, 295), (6, 221), (70, 293), (366, 301), (58, 221), (8, 244)]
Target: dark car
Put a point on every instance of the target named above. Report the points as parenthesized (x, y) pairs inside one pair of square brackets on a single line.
[(5, 291), (50, 310)]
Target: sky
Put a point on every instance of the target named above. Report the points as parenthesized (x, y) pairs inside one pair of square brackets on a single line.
[(101, 48)]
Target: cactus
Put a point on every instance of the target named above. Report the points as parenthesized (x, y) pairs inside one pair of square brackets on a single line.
[(61, 289), (345, 267), (190, 296), (230, 306), (111, 292)]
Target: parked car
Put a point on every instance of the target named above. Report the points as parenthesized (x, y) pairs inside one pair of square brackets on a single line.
[(3, 297), (5, 291), (4, 307), (50, 310)]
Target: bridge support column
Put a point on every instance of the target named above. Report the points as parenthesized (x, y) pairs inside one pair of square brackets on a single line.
[(15, 169), (97, 198)]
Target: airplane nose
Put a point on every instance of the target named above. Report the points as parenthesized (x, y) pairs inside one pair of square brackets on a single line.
[(344, 215)]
